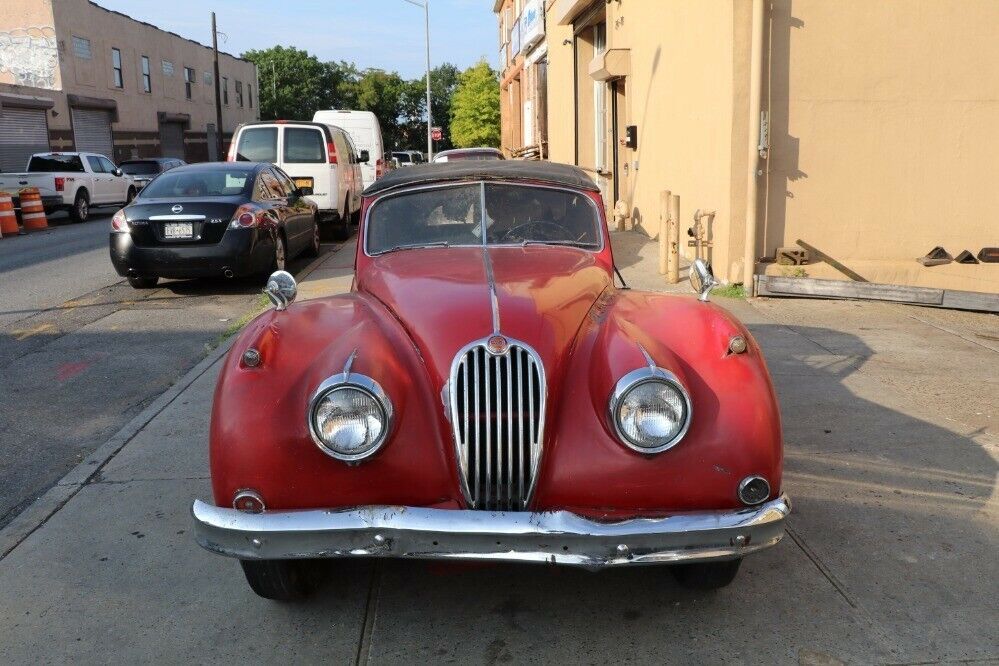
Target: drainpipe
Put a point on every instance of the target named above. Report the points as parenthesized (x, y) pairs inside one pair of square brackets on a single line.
[(753, 149)]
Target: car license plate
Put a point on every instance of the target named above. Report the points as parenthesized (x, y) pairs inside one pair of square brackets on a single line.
[(178, 230), (303, 182)]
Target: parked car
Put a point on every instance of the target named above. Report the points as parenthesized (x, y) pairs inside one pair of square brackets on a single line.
[(144, 170), (213, 219), (320, 158), (408, 157), (74, 182), (366, 132), (486, 392), (462, 154)]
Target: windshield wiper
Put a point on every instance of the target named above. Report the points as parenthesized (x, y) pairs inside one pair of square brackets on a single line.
[(558, 242), (395, 248)]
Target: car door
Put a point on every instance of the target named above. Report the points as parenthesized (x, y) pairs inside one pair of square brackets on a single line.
[(100, 191), (299, 210), (304, 159), (277, 201), (117, 185)]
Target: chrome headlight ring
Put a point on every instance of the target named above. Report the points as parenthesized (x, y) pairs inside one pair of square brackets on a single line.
[(631, 381), (365, 385)]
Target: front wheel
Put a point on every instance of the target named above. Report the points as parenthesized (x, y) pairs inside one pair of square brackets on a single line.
[(706, 575), (280, 580), (341, 227), (80, 211)]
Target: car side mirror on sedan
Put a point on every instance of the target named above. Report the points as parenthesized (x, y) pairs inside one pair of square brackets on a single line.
[(364, 157), (117, 172), (702, 278)]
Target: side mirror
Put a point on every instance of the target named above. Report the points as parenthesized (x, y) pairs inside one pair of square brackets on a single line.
[(117, 172), (281, 289), (702, 279), (364, 157)]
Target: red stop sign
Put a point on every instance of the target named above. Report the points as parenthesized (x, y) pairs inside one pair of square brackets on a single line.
[(436, 133)]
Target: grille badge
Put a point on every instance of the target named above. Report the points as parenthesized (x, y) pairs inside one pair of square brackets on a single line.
[(497, 344)]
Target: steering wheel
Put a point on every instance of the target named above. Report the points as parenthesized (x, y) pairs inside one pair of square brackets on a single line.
[(544, 231)]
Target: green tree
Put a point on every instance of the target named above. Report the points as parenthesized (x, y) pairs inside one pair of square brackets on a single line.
[(475, 108), (443, 82), (294, 84)]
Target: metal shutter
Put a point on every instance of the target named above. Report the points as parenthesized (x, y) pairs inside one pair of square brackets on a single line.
[(92, 131), (23, 132), (172, 140)]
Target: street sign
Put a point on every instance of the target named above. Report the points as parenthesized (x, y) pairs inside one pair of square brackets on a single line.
[(436, 133)]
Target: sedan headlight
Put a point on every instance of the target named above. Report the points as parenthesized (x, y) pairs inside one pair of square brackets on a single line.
[(350, 418), (650, 410)]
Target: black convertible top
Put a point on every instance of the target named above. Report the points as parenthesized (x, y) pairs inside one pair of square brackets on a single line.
[(546, 172)]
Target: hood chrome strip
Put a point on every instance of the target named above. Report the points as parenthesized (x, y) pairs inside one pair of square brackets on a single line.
[(487, 260)]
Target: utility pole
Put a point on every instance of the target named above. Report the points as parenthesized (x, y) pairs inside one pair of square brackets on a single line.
[(218, 92), (430, 118)]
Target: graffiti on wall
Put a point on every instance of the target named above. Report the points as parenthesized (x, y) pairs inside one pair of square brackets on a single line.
[(29, 57)]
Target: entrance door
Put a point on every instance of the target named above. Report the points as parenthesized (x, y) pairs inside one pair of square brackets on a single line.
[(622, 155), (92, 131), (172, 140), (23, 132)]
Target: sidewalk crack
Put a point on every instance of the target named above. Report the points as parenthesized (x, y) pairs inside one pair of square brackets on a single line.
[(370, 612)]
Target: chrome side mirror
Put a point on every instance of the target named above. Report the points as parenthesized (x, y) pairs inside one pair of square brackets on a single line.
[(281, 289), (702, 279)]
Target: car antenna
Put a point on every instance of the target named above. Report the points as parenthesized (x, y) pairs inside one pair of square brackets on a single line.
[(624, 285)]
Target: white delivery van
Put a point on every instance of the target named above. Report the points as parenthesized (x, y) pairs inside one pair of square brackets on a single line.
[(364, 129), (321, 160)]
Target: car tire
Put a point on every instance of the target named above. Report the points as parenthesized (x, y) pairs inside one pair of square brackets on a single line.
[(143, 282), (80, 212), (280, 580), (313, 249), (130, 195), (341, 226), (706, 575), (355, 217), (279, 261)]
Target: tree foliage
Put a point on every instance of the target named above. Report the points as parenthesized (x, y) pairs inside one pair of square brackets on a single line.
[(475, 108)]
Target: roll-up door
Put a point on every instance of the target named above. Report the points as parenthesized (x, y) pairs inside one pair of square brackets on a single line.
[(23, 132), (172, 140), (92, 131)]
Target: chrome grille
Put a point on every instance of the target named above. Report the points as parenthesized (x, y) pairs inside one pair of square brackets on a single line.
[(497, 415)]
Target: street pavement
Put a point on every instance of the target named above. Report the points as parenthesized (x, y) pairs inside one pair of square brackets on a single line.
[(890, 555), (82, 352)]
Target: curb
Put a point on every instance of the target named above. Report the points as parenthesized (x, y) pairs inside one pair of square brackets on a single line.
[(38, 512)]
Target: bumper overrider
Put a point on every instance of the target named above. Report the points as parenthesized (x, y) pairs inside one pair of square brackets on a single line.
[(557, 537)]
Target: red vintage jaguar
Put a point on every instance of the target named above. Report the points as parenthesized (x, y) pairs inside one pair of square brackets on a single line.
[(486, 391)]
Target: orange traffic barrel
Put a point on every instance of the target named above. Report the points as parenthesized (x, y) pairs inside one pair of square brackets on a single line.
[(32, 211), (8, 221)]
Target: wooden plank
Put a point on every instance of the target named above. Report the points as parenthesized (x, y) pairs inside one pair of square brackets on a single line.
[(970, 300), (832, 262), (770, 285)]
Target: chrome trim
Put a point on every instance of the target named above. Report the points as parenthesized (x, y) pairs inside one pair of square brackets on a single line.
[(177, 218), (557, 537), (281, 289), (252, 494), (477, 496), (745, 482), (348, 379), (404, 189), (633, 379)]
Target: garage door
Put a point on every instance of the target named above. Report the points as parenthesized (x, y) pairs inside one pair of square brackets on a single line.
[(92, 131), (172, 140), (22, 133)]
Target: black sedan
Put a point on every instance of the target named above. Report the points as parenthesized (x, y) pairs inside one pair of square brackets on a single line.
[(229, 219)]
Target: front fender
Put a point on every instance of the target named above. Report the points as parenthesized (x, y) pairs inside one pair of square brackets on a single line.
[(735, 429), (259, 436)]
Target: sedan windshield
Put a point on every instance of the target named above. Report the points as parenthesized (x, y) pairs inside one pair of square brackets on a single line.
[(200, 183), (513, 215)]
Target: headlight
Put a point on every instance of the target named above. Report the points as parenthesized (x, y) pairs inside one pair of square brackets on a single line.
[(349, 420), (650, 410)]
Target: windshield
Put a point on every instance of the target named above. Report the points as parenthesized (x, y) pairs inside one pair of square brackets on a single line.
[(201, 183), (514, 215), (53, 163), (140, 168)]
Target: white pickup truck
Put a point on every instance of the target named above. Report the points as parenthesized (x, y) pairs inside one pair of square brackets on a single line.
[(73, 182)]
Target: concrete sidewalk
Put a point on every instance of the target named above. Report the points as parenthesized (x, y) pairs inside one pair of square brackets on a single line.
[(891, 556)]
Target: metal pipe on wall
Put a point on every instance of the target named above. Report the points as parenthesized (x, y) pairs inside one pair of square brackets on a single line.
[(753, 154)]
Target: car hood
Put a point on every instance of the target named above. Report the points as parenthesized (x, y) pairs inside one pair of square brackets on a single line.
[(442, 298)]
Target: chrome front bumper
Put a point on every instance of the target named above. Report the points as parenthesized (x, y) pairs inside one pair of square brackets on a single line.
[(558, 537)]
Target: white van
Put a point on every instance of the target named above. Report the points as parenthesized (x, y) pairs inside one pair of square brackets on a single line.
[(321, 160), (364, 129)]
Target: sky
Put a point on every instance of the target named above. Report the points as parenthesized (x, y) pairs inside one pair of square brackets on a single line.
[(385, 34)]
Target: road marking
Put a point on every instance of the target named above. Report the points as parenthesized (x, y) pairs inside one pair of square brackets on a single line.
[(25, 333)]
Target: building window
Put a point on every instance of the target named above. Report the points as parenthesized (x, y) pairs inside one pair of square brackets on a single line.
[(189, 79), (249, 95), (209, 80), (167, 68), (239, 94), (600, 103), (119, 80), (225, 90), (81, 47), (147, 82)]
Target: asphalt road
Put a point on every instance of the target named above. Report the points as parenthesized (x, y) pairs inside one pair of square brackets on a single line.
[(81, 352)]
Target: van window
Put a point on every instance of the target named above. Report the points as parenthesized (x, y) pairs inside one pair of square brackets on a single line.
[(304, 146), (257, 144)]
